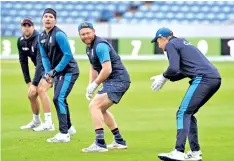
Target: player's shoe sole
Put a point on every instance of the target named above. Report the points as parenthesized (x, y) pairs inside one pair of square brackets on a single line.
[(118, 147), (99, 151), (115, 145), (193, 159), (43, 128), (164, 158)]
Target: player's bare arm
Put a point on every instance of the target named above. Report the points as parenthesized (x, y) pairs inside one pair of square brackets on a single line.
[(93, 74), (105, 72)]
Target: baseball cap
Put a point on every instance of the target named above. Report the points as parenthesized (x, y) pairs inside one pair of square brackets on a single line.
[(85, 25), (162, 32), (27, 21)]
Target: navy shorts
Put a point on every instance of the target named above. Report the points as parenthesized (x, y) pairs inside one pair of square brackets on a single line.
[(114, 90)]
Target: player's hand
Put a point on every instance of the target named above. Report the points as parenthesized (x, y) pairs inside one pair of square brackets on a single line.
[(158, 83), (50, 80), (90, 90), (32, 91), (50, 76), (88, 96), (29, 84)]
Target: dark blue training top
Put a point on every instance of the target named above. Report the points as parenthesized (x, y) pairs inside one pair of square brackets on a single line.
[(56, 53), (185, 60), (29, 48), (101, 51)]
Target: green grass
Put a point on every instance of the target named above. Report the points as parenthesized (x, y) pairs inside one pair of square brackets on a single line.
[(146, 119)]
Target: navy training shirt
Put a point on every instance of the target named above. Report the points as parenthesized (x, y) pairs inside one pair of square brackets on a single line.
[(101, 51), (185, 60), (56, 52)]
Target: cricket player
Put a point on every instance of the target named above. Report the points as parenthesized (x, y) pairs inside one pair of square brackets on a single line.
[(185, 60), (28, 48), (60, 69), (105, 68)]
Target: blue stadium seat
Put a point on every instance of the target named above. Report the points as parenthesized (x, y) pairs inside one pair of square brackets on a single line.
[(70, 12)]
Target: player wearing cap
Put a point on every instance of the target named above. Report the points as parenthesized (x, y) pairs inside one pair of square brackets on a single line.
[(105, 68), (28, 48), (185, 60), (60, 69)]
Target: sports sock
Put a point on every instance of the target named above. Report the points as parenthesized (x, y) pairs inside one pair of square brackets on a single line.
[(36, 118), (100, 136), (48, 117), (117, 135)]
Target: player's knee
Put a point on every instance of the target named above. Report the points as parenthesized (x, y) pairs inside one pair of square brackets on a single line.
[(179, 113), (40, 90), (32, 96), (94, 105), (55, 99), (91, 106), (103, 110)]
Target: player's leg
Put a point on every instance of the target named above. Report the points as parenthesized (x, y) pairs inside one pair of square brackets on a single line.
[(115, 91), (198, 92), (195, 153), (35, 106), (71, 79), (99, 103), (42, 89), (183, 116), (110, 93), (191, 101), (63, 86), (119, 142), (71, 129)]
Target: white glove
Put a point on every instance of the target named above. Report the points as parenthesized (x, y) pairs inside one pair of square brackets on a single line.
[(158, 83), (88, 96), (90, 90)]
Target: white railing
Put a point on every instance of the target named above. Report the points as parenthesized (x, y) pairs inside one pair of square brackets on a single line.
[(123, 57)]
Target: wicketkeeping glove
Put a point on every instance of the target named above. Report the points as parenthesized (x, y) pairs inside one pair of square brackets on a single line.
[(158, 83)]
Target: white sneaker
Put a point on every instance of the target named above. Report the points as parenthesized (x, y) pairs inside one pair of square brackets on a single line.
[(194, 155), (94, 148), (71, 131), (30, 125), (58, 138), (115, 145), (45, 127), (172, 156)]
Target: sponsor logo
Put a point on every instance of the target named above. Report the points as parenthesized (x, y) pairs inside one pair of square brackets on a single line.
[(43, 41), (25, 48)]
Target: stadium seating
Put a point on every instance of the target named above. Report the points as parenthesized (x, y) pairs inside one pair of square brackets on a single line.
[(74, 12)]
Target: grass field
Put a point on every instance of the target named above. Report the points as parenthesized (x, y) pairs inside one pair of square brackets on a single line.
[(146, 119)]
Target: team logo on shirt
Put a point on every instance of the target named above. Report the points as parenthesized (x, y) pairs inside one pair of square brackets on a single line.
[(88, 53), (43, 41)]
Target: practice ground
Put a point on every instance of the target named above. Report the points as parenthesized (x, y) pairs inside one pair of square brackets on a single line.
[(146, 119)]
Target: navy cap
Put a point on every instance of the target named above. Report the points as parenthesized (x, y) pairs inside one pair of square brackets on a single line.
[(85, 25), (162, 32), (26, 21)]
